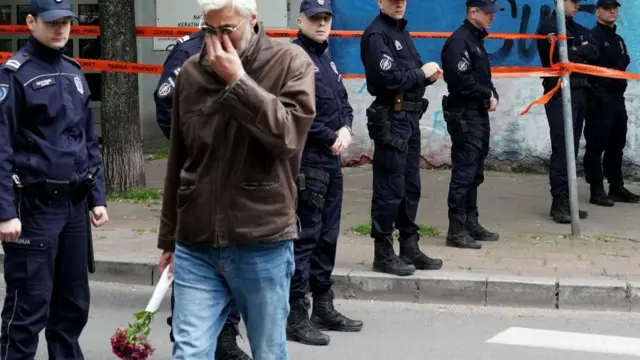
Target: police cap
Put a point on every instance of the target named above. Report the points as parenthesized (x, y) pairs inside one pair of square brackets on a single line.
[(605, 3), (488, 6), (51, 10), (314, 7)]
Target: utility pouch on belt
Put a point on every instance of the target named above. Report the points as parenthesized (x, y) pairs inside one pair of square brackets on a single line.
[(306, 193), (379, 126), (457, 125)]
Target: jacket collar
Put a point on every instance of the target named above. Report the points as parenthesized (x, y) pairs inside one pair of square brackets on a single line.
[(42, 51), (608, 29), (311, 45), (478, 33), (399, 24)]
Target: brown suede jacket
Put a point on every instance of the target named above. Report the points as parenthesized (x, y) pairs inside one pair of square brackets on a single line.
[(235, 150)]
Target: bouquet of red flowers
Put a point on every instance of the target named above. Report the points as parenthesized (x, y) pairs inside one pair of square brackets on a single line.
[(132, 343)]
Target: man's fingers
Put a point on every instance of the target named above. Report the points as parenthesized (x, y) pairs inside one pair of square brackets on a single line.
[(210, 50), (217, 47), (228, 46)]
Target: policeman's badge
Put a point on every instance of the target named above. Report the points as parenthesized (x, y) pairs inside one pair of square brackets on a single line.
[(4, 91), (398, 45), (386, 62), (334, 67), (463, 65), (164, 90), (79, 86)]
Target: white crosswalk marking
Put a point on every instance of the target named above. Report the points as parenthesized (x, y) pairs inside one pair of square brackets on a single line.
[(563, 340)]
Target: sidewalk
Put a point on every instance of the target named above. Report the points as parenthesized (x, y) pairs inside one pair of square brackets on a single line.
[(532, 249)]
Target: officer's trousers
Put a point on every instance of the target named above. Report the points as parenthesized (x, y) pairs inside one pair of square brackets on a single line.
[(233, 318), (605, 132), (46, 276), (319, 208), (468, 154), (396, 180), (558, 163)]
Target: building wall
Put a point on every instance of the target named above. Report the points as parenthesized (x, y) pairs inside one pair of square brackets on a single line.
[(516, 140)]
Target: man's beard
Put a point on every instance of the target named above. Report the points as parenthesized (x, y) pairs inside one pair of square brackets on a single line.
[(242, 46)]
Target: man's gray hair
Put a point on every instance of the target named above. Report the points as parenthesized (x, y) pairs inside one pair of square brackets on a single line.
[(244, 7)]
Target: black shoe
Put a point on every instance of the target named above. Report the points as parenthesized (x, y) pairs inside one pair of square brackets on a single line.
[(477, 231), (621, 194), (386, 261), (457, 235), (410, 253), (561, 212), (300, 329), (227, 348), (325, 317), (599, 196)]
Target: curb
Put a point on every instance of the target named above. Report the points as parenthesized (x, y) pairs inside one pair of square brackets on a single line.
[(442, 287)]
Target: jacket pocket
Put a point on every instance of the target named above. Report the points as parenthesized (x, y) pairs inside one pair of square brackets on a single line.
[(184, 195)]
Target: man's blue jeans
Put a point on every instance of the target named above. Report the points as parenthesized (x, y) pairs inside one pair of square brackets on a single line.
[(257, 278)]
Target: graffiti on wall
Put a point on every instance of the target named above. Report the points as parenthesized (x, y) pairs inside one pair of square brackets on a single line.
[(514, 138), (520, 16)]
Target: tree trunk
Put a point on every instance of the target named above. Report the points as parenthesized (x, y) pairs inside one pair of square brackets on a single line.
[(120, 110)]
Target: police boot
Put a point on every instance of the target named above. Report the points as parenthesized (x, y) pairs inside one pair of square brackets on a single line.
[(599, 196), (561, 212), (477, 231), (300, 329), (411, 254), (620, 194), (457, 235), (386, 261), (227, 348), (325, 317)]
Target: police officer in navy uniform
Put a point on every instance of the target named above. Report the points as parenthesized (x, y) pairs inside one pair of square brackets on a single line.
[(581, 50), (186, 47), (397, 78), (320, 186), (606, 120), (51, 176), (472, 95)]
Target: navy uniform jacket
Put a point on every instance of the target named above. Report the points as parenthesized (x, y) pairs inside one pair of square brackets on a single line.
[(333, 110), (185, 48), (466, 66), (391, 61), (613, 54), (582, 49), (46, 124)]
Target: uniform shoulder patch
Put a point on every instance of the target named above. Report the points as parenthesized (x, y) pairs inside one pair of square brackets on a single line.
[(16, 61), (73, 61), (4, 92)]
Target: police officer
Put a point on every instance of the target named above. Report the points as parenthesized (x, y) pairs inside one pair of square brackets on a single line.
[(51, 176), (582, 50), (606, 119), (227, 347), (472, 95), (163, 95), (320, 187), (397, 78)]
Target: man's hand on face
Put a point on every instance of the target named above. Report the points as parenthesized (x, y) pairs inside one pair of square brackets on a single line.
[(223, 58)]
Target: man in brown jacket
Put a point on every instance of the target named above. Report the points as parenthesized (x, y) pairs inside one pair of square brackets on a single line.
[(242, 109)]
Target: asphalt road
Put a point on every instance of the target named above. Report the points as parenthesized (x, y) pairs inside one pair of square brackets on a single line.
[(406, 331)]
